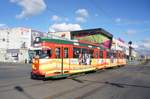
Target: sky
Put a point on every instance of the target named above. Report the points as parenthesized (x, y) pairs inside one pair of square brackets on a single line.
[(125, 19)]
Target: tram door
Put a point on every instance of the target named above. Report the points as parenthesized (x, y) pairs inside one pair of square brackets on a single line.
[(96, 58), (104, 58), (62, 59), (58, 59), (65, 59), (118, 58)]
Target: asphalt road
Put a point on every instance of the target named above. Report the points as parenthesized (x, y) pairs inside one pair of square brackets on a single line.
[(129, 82)]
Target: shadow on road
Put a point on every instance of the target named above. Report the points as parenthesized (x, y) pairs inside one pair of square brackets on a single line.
[(21, 90), (120, 85)]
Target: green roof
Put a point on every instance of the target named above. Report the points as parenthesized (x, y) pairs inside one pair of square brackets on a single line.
[(59, 41)]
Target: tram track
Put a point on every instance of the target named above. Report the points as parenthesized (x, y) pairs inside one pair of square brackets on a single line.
[(102, 84), (19, 80), (24, 82)]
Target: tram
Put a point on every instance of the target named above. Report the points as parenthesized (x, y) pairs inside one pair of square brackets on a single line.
[(61, 58)]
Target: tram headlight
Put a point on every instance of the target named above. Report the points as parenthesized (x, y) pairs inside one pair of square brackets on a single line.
[(35, 61), (33, 66)]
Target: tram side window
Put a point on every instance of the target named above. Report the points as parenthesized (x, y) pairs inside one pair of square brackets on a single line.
[(76, 52), (65, 52), (87, 54), (108, 54), (37, 52), (125, 56), (49, 52), (114, 54), (57, 50), (91, 54), (96, 55), (119, 55), (122, 55), (101, 54)]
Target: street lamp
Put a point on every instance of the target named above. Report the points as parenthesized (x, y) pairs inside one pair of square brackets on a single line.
[(130, 50)]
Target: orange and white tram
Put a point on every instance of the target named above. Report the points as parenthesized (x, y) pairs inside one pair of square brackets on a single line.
[(61, 58)]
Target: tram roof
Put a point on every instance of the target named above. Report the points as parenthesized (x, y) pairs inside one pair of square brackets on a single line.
[(72, 42)]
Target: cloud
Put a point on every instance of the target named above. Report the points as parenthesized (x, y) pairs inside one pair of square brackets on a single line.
[(66, 19), (29, 7), (130, 32), (144, 47), (80, 19), (64, 27), (118, 20), (145, 30), (135, 46), (56, 18), (3, 26), (135, 31), (145, 43), (136, 22), (82, 14), (121, 21), (96, 15)]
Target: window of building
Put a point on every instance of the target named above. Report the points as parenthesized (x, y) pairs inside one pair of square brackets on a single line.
[(3, 39)]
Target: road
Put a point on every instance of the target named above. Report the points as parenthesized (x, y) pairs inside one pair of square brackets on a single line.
[(128, 82)]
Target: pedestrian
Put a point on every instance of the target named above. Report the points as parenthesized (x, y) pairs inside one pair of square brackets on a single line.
[(25, 61)]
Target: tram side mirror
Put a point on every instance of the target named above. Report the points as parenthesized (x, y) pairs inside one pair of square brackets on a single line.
[(37, 40), (37, 57)]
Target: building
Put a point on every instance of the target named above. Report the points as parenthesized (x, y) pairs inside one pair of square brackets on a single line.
[(15, 43), (98, 36), (119, 44)]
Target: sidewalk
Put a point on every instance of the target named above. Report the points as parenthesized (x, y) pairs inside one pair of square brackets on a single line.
[(12, 63), (135, 62)]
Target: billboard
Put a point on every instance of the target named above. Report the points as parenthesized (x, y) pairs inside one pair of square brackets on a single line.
[(98, 36)]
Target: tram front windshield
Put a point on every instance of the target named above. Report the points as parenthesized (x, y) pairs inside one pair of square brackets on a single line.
[(43, 53)]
